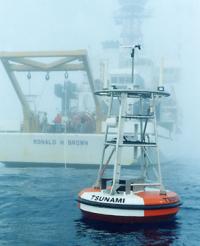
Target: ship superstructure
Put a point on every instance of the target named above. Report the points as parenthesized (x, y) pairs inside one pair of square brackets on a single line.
[(130, 17)]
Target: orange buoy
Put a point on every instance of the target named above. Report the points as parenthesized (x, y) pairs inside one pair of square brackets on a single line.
[(140, 206), (137, 198)]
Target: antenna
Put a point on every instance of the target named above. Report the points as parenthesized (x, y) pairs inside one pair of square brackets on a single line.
[(132, 47)]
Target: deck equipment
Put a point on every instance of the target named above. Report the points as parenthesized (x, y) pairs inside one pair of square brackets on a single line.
[(46, 61)]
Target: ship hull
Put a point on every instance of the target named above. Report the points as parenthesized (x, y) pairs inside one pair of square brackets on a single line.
[(51, 149)]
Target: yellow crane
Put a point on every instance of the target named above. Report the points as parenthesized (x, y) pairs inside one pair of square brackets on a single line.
[(75, 60)]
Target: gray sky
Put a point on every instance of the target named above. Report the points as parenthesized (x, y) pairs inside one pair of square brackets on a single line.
[(177, 35), (50, 24)]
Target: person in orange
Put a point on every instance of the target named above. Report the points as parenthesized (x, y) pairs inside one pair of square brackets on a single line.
[(58, 121)]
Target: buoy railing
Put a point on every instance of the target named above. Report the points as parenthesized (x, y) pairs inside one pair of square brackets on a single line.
[(146, 113)]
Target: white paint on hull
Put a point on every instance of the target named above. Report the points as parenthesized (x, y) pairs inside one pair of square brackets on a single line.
[(131, 199), (55, 148), (104, 198), (112, 211)]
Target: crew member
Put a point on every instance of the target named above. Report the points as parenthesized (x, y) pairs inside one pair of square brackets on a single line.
[(57, 122)]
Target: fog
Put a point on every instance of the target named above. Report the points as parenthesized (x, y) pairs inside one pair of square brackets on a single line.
[(175, 35), (171, 31)]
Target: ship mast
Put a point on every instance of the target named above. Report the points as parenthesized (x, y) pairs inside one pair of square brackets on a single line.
[(130, 17)]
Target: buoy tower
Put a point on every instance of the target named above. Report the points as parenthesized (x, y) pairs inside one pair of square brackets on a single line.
[(139, 196)]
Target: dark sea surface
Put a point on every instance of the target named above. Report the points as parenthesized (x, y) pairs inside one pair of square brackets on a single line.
[(38, 207)]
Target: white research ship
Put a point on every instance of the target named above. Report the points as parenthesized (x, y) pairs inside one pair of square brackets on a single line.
[(35, 145), (53, 146), (64, 143)]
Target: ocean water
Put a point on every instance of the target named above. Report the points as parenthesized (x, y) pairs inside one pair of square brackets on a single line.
[(38, 207)]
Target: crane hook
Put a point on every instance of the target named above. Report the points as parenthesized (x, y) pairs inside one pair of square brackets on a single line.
[(66, 75), (47, 76), (28, 75)]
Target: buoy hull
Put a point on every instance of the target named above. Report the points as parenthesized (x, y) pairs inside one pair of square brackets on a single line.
[(138, 207), (127, 220)]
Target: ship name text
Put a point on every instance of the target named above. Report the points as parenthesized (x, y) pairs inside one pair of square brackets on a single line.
[(70, 142)]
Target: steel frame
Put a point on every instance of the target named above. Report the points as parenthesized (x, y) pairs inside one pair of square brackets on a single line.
[(76, 60)]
